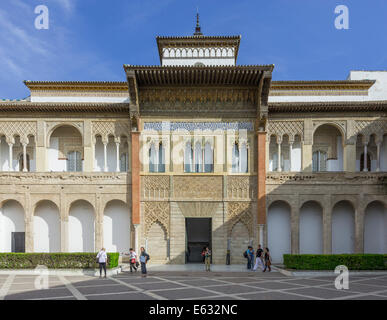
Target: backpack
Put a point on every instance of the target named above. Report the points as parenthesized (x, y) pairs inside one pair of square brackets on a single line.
[(245, 254)]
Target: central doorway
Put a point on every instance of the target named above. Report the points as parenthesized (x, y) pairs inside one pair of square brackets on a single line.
[(198, 236)]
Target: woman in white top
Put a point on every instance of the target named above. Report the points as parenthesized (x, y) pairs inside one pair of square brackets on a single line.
[(102, 260), (132, 260)]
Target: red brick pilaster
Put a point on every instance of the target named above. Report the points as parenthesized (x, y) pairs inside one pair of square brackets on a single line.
[(261, 188), (135, 177)]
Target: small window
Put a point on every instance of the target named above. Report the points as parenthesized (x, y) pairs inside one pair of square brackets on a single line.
[(74, 161), (319, 161)]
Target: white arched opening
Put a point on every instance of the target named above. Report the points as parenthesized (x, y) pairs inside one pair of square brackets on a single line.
[(188, 158), (12, 227), (81, 227), (343, 228), (64, 140), (157, 243), (47, 227), (239, 243), (311, 228), (116, 227), (375, 228), (278, 230)]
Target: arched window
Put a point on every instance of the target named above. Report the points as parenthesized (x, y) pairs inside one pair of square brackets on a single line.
[(152, 158), (319, 161), (157, 158), (21, 162), (124, 162), (74, 161), (188, 158), (208, 158), (198, 157), (161, 158), (362, 162), (235, 158)]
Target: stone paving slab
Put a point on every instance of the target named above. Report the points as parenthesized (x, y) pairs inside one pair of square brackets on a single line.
[(273, 295), (183, 293), (321, 292), (126, 296), (158, 286), (231, 289), (104, 289), (50, 293)]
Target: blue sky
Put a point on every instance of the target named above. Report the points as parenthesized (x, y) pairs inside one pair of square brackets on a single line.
[(92, 39)]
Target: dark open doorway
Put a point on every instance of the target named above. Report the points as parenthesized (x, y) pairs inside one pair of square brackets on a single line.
[(198, 235), (18, 242)]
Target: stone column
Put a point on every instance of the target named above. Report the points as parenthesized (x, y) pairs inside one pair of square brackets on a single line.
[(88, 147), (98, 223), (295, 229), (40, 145), (365, 168), (261, 238), (118, 155), (327, 229), (105, 168), (64, 222), (136, 244), (279, 142), (29, 229), (359, 230), (24, 157), (378, 146), (10, 158), (261, 178), (349, 155), (136, 177)]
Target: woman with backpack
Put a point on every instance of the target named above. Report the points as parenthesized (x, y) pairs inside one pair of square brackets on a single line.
[(267, 258), (144, 258)]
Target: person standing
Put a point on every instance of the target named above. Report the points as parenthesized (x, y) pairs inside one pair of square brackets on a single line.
[(132, 260), (207, 259), (250, 257), (259, 258), (267, 260), (144, 258), (102, 260)]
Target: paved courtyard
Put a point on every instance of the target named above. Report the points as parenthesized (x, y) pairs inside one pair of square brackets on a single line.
[(193, 285)]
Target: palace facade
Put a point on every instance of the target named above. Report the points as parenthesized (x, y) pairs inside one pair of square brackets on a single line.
[(196, 151)]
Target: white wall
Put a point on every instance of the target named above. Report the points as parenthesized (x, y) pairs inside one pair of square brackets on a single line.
[(337, 165), (296, 157), (343, 228), (47, 228), (379, 90), (375, 229), (278, 230), (53, 153), (116, 227), (81, 227), (311, 229), (98, 156), (11, 220)]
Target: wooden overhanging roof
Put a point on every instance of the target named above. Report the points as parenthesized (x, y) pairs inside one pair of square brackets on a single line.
[(27, 106), (345, 106), (198, 75), (77, 85), (198, 42), (323, 85)]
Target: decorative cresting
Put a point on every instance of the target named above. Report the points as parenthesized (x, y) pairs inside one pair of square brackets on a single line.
[(198, 209), (201, 187), (156, 211), (115, 128), (239, 212), (241, 187), (18, 128), (369, 127), (202, 95), (291, 128), (155, 187)]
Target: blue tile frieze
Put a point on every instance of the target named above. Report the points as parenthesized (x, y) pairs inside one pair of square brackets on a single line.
[(192, 126)]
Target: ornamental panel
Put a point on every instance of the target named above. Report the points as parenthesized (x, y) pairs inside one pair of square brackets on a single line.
[(241, 187), (200, 187), (239, 212), (115, 128), (291, 128), (157, 211), (155, 187), (20, 128)]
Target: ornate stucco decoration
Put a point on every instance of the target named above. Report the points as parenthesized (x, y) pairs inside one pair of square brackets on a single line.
[(199, 187), (155, 187), (156, 212), (114, 128), (290, 128), (239, 212), (198, 209), (24, 129)]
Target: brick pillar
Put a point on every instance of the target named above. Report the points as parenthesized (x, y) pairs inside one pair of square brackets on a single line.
[(135, 152), (261, 184)]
